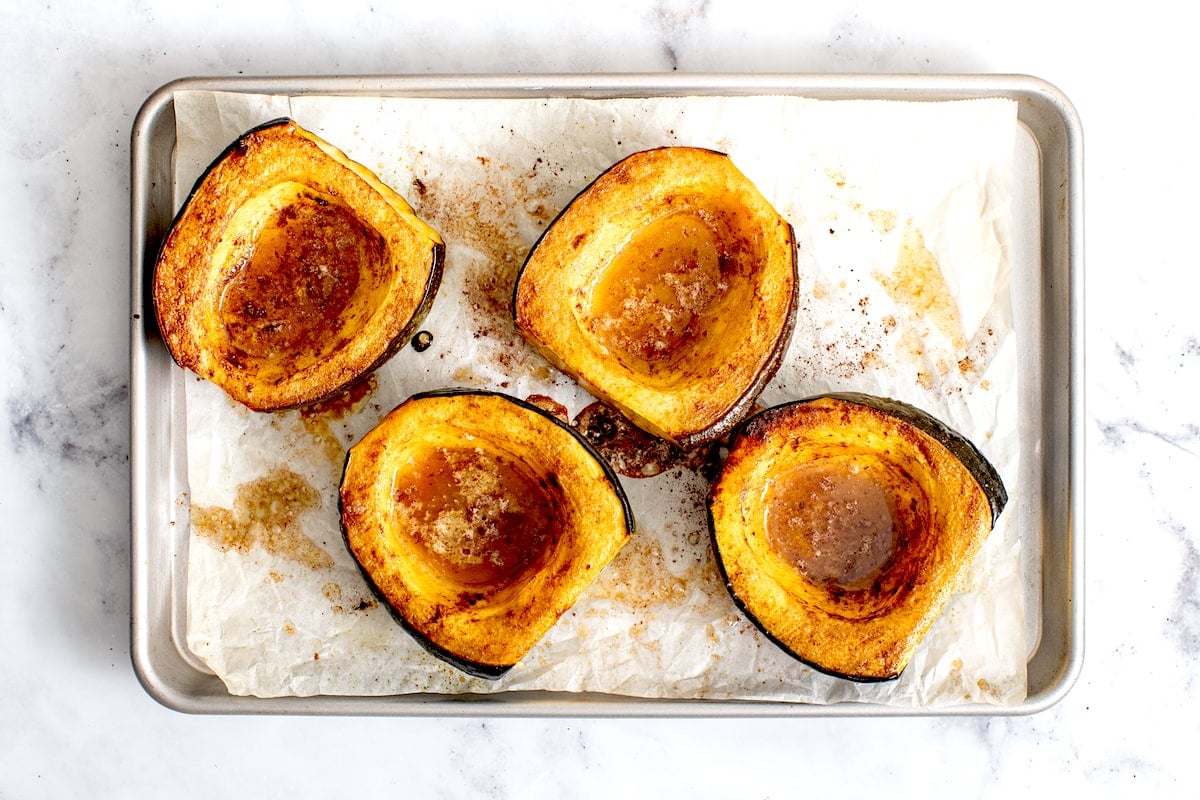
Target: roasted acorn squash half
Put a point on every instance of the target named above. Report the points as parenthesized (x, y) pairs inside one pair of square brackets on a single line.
[(841, 524), (479, 519), (667, 288), (291, 271)]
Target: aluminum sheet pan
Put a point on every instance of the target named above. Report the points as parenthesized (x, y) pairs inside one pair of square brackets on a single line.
[(1048, 229)]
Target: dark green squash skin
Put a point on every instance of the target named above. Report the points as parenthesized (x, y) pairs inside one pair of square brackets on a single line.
[(962, 448), (473, 668)]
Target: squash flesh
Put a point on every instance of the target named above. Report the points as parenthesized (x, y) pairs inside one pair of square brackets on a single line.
[(292, 271), (482, 518), (863, 624)]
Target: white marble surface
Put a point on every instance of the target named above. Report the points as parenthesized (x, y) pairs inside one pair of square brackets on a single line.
[(73, 718)]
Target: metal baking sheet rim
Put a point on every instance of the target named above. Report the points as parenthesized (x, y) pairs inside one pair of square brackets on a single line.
[(1045, 113)]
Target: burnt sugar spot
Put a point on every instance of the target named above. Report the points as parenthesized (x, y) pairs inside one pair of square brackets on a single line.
[(550, 406), (422, 341), (634, 453), (266, 513), (629, 450)]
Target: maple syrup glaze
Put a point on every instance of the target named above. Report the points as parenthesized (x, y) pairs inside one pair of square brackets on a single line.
[(482, 517), (295, 283), (831, 523), (654, 296)]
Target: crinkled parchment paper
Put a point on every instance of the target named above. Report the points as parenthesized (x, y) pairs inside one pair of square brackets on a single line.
[(902, 215)]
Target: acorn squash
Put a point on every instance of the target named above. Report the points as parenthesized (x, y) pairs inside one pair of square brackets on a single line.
[(841, 523), (291, 271), (479, 519), (667, 288)]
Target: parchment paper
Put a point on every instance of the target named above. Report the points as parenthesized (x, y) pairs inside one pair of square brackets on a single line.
[(902, 215)]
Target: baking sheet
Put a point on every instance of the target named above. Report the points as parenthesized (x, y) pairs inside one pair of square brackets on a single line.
[(1030, 510)]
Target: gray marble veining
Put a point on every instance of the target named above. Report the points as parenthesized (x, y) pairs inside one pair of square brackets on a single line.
[(72, 717)]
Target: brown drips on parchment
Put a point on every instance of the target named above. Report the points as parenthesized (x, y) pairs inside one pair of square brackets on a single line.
[(266, 513)]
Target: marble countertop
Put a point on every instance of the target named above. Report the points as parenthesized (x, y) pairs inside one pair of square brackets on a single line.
[(73, 716)]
